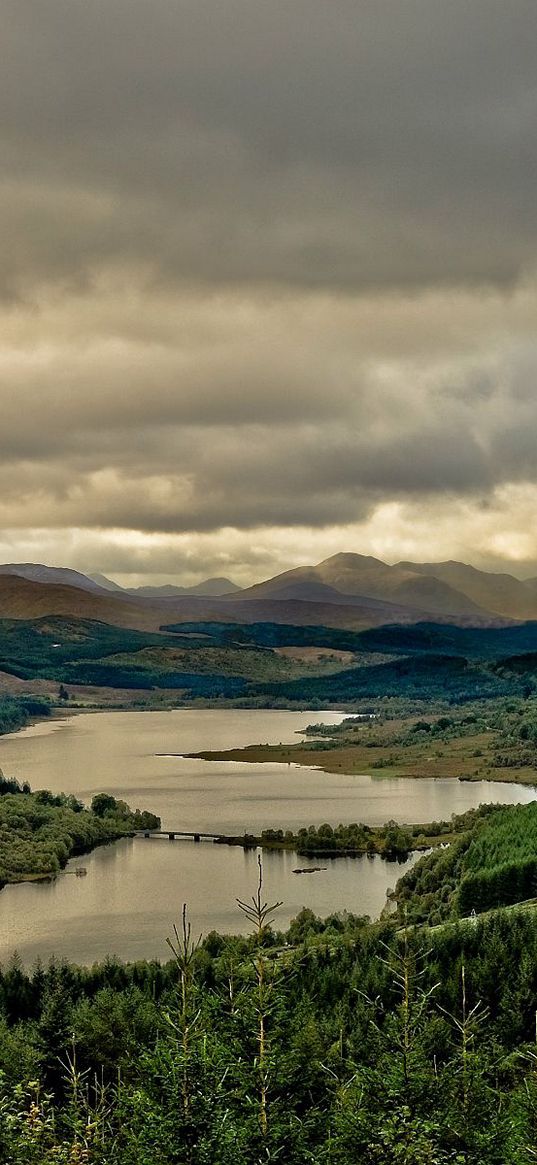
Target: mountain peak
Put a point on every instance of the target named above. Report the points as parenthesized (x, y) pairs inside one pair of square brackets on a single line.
[(350, 558)]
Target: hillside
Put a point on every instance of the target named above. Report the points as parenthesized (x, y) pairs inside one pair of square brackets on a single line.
[(494, 592), (265, 663), (22, 598), (493, 865), (380, 1046), (53, 575)]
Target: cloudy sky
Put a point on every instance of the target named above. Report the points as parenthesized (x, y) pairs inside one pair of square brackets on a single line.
[(268, 283)]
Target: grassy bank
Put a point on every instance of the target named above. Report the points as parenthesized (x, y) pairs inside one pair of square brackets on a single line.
[(495, 741)]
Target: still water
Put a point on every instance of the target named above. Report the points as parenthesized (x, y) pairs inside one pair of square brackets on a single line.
[(133, 891)]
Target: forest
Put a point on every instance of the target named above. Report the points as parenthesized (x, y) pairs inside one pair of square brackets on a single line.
[(17, 713), (407, 1041), (493, 864), (337, 1042)]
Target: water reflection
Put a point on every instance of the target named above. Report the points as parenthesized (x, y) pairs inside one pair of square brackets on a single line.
[(134, 891)]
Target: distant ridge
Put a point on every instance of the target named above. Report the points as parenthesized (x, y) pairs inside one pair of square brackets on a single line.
[(107, 584), (211, 587), (360, 575), (346, 590), (501, 593), (61, 575), (97, 583)]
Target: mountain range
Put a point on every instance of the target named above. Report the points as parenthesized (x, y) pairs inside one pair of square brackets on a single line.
[(345, 590), (440, 588), (97, 583)]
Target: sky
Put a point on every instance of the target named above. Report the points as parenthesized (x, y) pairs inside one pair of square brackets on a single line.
[(268, 284)]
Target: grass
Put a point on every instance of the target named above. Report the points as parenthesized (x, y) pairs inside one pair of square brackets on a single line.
[(389, 750)]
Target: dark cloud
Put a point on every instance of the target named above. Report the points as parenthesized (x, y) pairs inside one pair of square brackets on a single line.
[(350, 145), (160, 461)]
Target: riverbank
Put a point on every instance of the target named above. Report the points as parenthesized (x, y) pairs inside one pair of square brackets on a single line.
[(466, 745), (357, 762), (135, 888)]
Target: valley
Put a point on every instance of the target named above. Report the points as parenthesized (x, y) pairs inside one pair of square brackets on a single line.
[(394, 762)]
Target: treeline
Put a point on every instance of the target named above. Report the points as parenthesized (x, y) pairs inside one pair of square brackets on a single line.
[(407, 639), (493, 865), (372, 727), (269, 635), (428, 677), (192, 685), (516, 742), (350, 1044), (40, 831), (17, 711), (392, 840)]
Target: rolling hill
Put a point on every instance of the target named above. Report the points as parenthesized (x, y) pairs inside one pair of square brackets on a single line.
[(21, 598)]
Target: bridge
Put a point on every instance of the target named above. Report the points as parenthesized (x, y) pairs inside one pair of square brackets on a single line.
[(179, 834)]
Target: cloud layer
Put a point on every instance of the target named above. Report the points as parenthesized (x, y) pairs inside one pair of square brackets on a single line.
[(268, 284)]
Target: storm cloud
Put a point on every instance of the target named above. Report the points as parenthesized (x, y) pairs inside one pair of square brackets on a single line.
[(268, 282)]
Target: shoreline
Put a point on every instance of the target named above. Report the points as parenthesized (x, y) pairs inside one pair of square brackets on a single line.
[(62, 712), (52, 875), (345, 759), (342, 762), (374, 849)]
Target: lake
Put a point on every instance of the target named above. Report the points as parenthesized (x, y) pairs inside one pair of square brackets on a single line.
[(134, 890)]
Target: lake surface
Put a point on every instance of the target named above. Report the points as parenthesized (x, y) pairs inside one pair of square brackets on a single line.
[(134, 890)]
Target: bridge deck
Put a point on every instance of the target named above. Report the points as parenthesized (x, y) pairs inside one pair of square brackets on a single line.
[(172, 834)]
